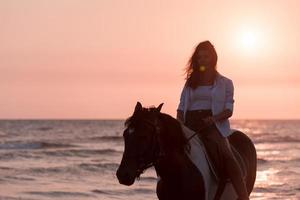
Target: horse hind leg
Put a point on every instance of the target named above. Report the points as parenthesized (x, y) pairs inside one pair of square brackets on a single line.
[(243, 144)]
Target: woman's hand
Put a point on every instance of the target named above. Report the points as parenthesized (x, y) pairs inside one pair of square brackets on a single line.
[(209, 120), (180, 116)]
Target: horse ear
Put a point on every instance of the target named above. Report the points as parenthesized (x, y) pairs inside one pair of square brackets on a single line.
[(138, 107), (159, 107)]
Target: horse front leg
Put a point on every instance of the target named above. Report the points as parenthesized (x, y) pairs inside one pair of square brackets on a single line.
[(165, 191), (162, 191)]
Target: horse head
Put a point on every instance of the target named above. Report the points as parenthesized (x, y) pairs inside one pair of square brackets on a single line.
[(142, 147)]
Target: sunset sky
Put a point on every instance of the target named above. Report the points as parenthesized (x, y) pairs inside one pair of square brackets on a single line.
[(97, 58)]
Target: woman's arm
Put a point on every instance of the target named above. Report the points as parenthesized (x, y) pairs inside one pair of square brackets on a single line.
[(181, 105), (179, 116), (219, 117), (229, 101), (223, 115)]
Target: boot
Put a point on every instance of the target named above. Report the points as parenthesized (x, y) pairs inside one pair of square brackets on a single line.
[(235, 175), (239, 186)]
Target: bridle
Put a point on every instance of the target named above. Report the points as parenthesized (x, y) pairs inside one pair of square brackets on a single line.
[(156, 149)]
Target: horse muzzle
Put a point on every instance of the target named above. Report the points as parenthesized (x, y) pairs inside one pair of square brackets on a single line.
[(125, 177)]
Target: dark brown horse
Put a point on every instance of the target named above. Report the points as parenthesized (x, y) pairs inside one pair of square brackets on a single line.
[(156, 139)]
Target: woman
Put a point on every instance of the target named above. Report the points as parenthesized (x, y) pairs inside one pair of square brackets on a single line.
[(207, 101)]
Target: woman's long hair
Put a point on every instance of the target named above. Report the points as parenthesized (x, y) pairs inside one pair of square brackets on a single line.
[(193, 75)]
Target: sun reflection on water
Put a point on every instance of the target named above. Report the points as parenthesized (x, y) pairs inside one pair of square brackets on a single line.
[(264, 177)]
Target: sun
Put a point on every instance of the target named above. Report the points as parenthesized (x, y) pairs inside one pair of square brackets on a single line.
[(249, 40)]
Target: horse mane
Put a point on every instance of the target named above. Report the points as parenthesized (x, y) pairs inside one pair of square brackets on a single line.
[(172, 136)]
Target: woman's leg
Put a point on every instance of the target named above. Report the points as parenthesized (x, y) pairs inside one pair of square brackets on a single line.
[(219, 150), (219, 147), (234, 171)]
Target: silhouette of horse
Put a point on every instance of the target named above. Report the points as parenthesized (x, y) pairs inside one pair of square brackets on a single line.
[(156, 139)]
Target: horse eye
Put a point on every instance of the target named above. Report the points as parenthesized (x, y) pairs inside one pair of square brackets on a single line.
[(130, 131)]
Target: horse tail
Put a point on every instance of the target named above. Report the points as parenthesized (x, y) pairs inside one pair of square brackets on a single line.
[(246, 148)]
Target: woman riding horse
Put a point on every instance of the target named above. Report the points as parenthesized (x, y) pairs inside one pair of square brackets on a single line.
[(206, 103), (152, 138)]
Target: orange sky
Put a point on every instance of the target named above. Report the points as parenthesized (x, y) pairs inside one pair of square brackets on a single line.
[(96, 59)]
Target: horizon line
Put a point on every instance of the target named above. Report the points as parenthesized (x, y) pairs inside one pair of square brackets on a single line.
[(119, 119)]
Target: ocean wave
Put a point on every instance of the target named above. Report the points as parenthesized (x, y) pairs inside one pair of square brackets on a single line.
[(6, 168), (287, 173), (75, 169), (262, 161), (96, 167), (59, 194), (106, 138), (44, 128), (15, 198), (124, 192), (263, 190), (18, 154), (143, 190), (107, 192), (275, 139), (49, 170), (33, 145), (150, 179), (19, 178), (45, 154), (276, 161), (81, 152)]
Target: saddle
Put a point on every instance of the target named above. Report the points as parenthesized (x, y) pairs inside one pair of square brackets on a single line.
[(219, 171), (199, 155)]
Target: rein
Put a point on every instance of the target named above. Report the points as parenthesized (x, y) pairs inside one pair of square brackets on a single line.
[(158, 154), (197, 132)]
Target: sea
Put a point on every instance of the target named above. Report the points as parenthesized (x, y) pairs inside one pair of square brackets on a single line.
[(78, 159)]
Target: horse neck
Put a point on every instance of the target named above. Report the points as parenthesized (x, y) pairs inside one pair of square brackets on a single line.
[(172, 165), (174, 160)]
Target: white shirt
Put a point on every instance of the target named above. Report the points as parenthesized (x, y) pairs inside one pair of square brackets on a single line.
[(222, 98), (201, 98)]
